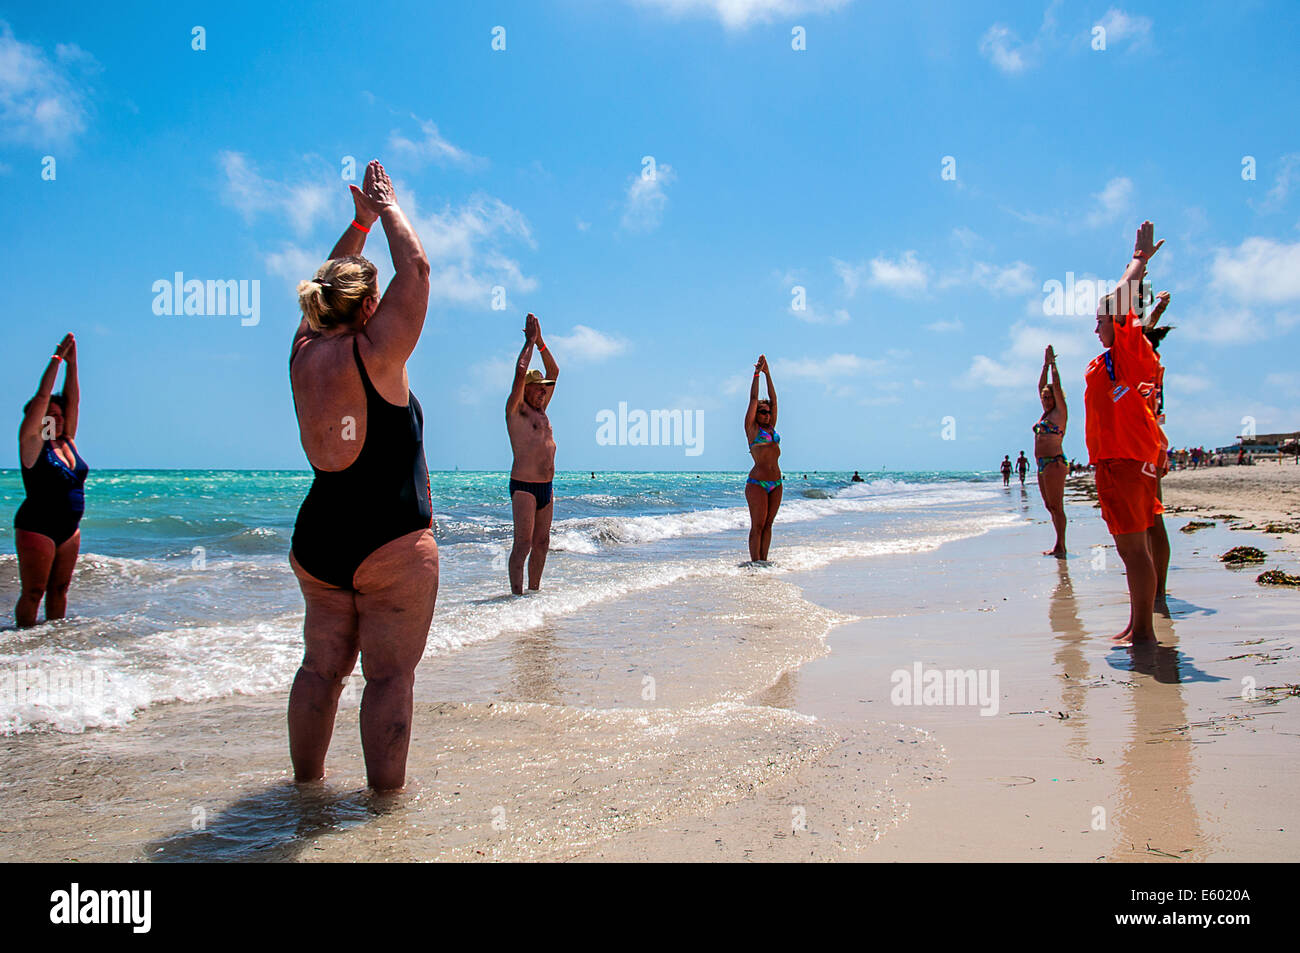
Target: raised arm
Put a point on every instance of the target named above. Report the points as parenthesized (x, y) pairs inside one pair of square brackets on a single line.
[(1162, 302), (771, 391), (548, 361), (351, 242), (30, 438), (71, 390), (516, 398), (753, 395), (395, 327), (1143, 248)]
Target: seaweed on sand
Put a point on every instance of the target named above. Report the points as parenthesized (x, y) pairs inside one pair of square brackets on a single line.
[(1241, 555)]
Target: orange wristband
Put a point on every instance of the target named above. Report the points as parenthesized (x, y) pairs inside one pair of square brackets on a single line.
[(356, 224)]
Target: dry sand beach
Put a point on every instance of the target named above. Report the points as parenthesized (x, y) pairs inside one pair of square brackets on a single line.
[(1094, 753)]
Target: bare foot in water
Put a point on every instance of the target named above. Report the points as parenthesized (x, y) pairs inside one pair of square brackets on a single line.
[(1059, 552), (1162, 606), (1131, 637)]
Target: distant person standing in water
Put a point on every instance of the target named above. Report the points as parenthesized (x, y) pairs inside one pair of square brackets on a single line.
[(363, 550), (532, 475), (1022, 466), (47, 526), (1006, 470), (763, 487), (857, 478), (1049, 435)]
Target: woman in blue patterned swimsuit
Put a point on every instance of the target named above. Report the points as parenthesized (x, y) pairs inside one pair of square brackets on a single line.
[(763, 488), (1049, 435)]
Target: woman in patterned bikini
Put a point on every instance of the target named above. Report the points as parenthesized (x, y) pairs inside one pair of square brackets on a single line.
[(1049, 434), (763, 488)]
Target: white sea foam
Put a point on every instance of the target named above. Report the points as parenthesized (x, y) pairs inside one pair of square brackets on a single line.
[(99, 672)]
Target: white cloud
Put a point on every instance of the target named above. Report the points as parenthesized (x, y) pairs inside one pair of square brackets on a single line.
[(1003, 47), (1122, 27), (1187, 383), (1286, 384), (44, 101), (739, 14), (1110, 204), (1259, 270), (1016, 278), (1018, 366), (487, 378), (586, 344), (905, 275), (827, 368), (300, 203), (1288, 170), (294, 263), (812, 315), (944, 327), (646, 199), (432, 148), (465, 248)]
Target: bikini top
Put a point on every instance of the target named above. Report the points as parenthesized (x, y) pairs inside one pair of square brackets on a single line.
[(1045, 426), (765, 437)]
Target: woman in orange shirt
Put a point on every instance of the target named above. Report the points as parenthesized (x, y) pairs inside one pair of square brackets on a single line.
[(1124, 440)]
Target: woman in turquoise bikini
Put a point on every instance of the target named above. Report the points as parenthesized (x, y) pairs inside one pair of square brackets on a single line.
[(1049, 434), (763, 488)]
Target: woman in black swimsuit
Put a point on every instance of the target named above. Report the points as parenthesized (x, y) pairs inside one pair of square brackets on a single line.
[(47, 530), (363, 549), (1049, 436)]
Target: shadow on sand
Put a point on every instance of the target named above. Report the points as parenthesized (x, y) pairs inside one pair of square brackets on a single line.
[(276, 824)]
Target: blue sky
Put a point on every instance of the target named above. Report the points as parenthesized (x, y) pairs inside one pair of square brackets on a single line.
[(775, 168)]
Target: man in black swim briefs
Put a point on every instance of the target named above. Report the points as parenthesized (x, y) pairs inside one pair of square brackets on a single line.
[(533, 470)]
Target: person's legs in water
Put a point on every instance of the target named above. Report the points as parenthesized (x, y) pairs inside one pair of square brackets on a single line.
[(65, 561), (773, 504), (756, 497), (1051, 484), (524, 507), (36, 553), (1159, 541), (541, 544), (396, 590), (1135, 551), (330, 632)]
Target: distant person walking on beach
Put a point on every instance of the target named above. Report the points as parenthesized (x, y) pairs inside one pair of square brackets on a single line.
[(1124, 441), (363, 550), (1049, 435), (532, 474), (1006, 470), (1157, 535), (763, 487), (1022, 466), (47, 526)]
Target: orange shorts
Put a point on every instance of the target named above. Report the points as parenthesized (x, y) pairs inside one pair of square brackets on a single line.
[(1126, 490)]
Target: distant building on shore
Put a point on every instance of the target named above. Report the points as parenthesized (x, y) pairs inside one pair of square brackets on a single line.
[(1260, 445)]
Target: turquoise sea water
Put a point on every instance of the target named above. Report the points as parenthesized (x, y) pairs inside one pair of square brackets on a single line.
[(183, 590)]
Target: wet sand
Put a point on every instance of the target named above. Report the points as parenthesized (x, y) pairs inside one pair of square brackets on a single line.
[(771, 744), (1096, 754)]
